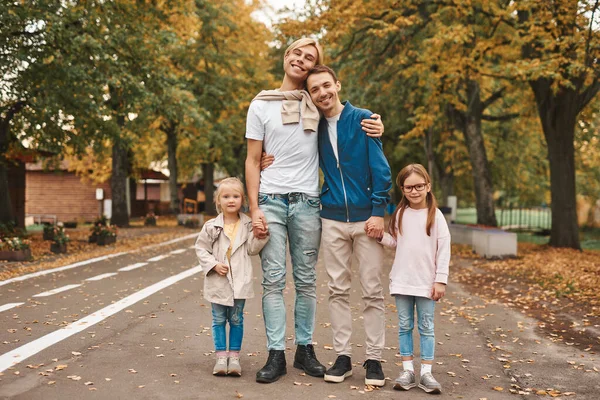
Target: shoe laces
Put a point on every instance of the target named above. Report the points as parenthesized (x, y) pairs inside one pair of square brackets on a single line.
[(406, 374), (310, 352)]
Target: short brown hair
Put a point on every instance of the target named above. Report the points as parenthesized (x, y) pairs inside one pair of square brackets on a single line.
[(320, 68)]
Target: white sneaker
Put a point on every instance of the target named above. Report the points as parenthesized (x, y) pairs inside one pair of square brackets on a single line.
[(405, 381), (429, 384), (234, 368), (220, 368)]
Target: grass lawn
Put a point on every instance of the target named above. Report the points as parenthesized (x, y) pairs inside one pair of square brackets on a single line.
[(536, 219)]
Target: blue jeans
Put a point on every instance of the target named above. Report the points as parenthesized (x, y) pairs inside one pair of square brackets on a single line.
[(294, 216), (235, 315), (406, 316)]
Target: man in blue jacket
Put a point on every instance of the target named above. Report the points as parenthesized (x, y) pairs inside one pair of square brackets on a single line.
[(353, 199)]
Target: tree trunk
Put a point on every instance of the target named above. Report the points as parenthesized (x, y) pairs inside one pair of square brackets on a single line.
[(118, 184), (446, 185), (171, 132), (482, 178), (6, 210), (558, 114), (429, 151), (6, 214), (207, 173)]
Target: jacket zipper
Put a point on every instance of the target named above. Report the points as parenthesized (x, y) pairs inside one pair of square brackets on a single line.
[(344, 189)]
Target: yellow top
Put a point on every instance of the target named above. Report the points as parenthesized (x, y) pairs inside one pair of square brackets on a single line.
[(231, 232)]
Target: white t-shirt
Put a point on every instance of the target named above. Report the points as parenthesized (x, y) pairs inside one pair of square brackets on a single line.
[(296, 165), (332, 129)]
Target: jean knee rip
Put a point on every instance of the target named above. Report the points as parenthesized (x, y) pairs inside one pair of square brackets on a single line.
[(311, 255), (426, 325), (236, 319)]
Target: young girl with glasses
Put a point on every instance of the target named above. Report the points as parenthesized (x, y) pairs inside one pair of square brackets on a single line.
[(224, 247), (419, 275)]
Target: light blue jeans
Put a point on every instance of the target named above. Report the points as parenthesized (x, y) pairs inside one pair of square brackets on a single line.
[(235, 315), (294, 216), (406, 322)]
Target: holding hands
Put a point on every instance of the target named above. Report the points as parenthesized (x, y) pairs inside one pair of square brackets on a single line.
[(260, 228), (374, 227)]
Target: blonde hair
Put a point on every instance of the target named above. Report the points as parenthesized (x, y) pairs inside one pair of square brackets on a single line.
[(395, 227), (234, 183), (306, 42)]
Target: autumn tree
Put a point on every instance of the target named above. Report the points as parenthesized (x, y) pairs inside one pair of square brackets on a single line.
[(48, 76), (560, 43), (447, 53)]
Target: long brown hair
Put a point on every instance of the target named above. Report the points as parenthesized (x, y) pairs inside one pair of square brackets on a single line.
[(395, 227)]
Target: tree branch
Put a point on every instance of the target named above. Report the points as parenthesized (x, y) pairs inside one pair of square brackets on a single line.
[(5, 121), (505, 117), (588, 94), (493, 97), (589, 39)]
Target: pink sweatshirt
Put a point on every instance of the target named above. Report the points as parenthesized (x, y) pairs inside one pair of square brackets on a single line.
[(420, 260)]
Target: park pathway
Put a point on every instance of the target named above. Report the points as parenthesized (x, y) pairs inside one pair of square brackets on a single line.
[(137, 326)]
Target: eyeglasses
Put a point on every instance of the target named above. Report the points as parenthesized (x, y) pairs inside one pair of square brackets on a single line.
[(418, 187)]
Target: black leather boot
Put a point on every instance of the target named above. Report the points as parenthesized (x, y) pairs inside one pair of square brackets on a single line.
[(306, 360), (273, 369)]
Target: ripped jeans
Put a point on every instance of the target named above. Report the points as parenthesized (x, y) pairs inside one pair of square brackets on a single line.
[(406, 321), (294, 216), (235, 315)]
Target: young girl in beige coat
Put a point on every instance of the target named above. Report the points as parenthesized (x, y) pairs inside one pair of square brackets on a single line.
[(224, 247)]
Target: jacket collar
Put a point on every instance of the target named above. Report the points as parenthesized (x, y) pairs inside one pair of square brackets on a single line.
[(347, 108), (220, 221)]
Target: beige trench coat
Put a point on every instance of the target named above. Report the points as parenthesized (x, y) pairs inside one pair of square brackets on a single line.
[(211, 249)]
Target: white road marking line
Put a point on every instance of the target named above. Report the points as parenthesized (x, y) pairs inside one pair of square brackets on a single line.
[(92, 260), (132, 266), (102, 276), (158, 258), (9, 306), (178, 251), (57, 290), (19, 354)]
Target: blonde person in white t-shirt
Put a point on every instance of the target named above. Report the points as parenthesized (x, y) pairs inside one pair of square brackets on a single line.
[(419, 274)]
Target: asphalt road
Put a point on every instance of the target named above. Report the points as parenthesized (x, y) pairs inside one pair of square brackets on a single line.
[(136, 326)]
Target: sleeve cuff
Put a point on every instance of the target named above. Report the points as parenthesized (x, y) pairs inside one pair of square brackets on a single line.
[(378, 211), (441, 278)]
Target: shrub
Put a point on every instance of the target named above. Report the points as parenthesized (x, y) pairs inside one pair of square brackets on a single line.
[(13, 244), (59, 236)]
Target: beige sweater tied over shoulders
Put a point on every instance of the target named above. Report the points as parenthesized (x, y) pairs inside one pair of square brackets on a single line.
[(293, 104)]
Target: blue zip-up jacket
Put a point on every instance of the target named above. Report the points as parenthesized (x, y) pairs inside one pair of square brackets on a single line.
[(358, 187)]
